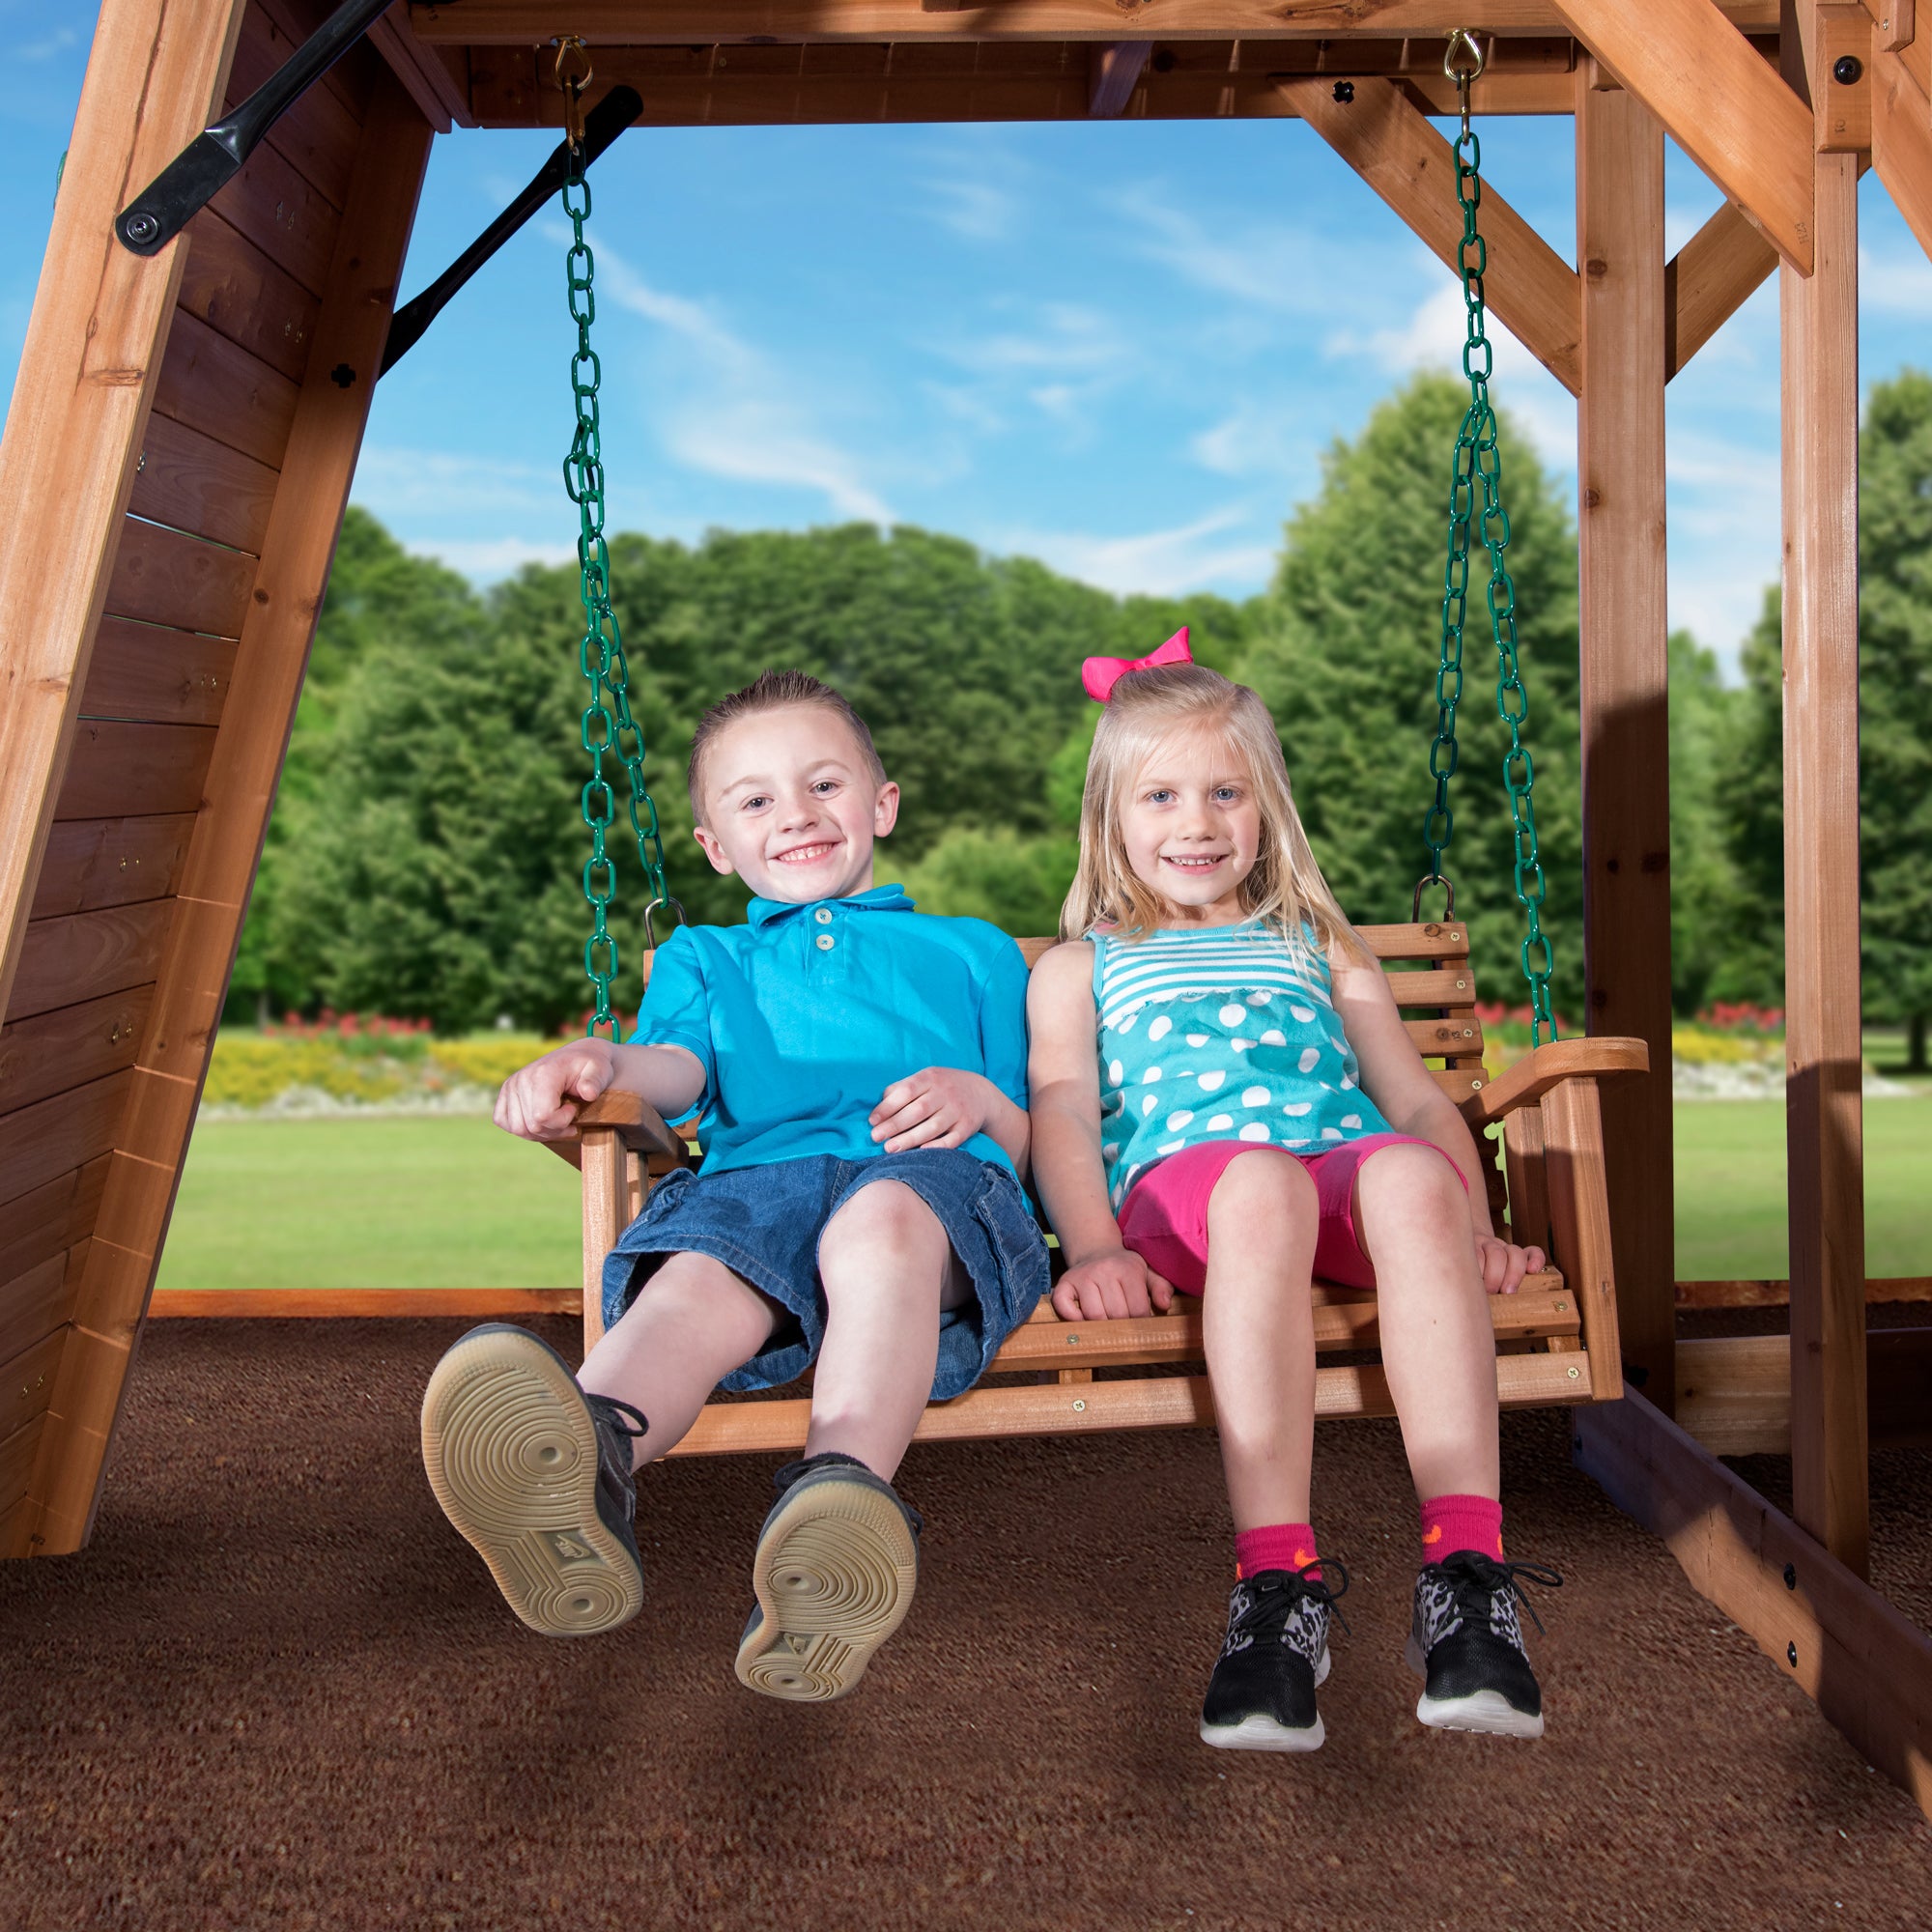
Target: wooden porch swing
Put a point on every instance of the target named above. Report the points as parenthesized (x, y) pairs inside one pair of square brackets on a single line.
[(1556, 1338)]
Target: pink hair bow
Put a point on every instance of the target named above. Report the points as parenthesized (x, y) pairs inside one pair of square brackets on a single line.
[(1100, 675)]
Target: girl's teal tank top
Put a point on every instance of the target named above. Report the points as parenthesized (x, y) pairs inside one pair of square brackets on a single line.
[(1219, 1033)]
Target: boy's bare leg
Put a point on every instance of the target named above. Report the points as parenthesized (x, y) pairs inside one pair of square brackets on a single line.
[(1439, 1344), (1258, 1323), (888, 1271), (693, 1322)]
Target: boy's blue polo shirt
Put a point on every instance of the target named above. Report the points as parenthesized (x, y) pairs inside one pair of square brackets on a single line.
[(805, 1014)]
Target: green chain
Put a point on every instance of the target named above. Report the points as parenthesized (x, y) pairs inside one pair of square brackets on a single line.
[(607, 724), (1479, 462)]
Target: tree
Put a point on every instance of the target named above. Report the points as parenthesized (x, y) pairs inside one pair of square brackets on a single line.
[(1345, 657), (1706, 911)]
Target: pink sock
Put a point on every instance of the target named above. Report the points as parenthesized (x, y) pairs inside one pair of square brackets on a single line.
[(1281, 1545), (1450, 1524)]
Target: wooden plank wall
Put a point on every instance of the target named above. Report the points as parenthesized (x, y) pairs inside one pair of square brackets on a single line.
[(120, 965)]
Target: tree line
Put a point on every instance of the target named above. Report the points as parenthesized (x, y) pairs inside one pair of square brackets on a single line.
[(425, 855)]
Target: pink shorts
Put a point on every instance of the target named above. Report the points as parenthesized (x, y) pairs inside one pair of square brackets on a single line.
[(1164, 1218)]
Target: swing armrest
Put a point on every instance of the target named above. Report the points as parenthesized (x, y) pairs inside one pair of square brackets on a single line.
[(639, 1124), (1600, 1058)]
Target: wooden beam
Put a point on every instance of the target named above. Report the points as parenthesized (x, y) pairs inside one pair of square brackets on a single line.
[(85, 385), (1840, 64), (1372, 125), (1866, 1667), (220, 864), (1879, 1289), (310, 1304), (1902, 141), (425, 72), (1734, 1391), (1115, 72), (1708, 280), (527, 23), (1624, 667), (1737, 120), (1824, 1100), (1894, 23)]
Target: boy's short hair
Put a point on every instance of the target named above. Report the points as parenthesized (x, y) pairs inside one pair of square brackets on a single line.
[(772, 691)]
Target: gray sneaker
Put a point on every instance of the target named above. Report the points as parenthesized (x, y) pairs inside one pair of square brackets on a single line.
[(536, 1474), (837, 1562)]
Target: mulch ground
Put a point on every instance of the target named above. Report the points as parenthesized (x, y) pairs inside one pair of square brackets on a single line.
[(277, 1692)]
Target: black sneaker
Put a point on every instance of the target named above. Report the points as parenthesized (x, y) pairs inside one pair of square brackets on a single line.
[(1261, 1695), (1467, 1642), (837, 1562), (537, 1476)]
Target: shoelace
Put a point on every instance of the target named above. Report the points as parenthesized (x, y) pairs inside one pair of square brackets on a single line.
[(608, 1405), (1273, 1605), (1473, 1575)]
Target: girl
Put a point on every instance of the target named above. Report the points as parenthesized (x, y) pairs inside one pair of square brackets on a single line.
[(1256, 1116)]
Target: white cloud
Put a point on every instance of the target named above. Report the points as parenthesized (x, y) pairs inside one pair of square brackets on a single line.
[(45, 48), (1895, 284), (1433, 338), (486, 559), (733, 412), (1062, 359), (1203, 554), (400, 483), (1268, 268)]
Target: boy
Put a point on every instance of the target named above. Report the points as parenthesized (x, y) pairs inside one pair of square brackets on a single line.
[(861, 1072)]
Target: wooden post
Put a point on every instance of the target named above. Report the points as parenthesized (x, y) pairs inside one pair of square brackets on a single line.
[(1625, 705), (87, 378), (1824, 1100), (237, 793), (606, 1216)]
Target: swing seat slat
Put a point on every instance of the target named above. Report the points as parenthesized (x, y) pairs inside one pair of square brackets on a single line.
[(1556, 1338)]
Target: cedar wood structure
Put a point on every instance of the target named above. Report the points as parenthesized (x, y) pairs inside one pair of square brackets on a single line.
[(185, 429)]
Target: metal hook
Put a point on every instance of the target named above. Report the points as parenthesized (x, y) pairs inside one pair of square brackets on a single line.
[(1463, 61), (1448, 896), (650, 934), (571, 47)]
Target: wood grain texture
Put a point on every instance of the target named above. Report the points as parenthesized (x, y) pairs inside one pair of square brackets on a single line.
[(70, 1046), (328, 1304), (165, 577), (317, 135), (1708, 280), (1736, 119), (26, 1381), (428, 77), (1867, 1667), (192, 482), (41, 1143), (1393, 147), (1544, 1068), (110, 862), (85, 955), (1824, 1098), (215, 385), (604, 1220), (40, 1226), (525, 24), (316, 468), (120, 767), (1624, 665), (243, 296), (35, 1304), (16, 1458), (81, 396), (1902, 138), (149, 673), (276, 207)]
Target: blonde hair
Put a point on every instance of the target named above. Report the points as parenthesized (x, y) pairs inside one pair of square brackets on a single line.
[(1284, 889)]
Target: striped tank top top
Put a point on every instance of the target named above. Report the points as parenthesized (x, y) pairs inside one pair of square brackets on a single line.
[(1219, 1033)]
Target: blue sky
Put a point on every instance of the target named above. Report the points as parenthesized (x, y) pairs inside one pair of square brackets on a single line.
[(1119, 348)]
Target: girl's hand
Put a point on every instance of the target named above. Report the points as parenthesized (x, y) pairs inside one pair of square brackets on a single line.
[(540, 1101), (1502, 1264), (938, 1106), (1111, 1287)]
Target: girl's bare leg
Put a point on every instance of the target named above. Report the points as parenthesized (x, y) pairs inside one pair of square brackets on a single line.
[(693, 1322), (1438, 1345), (1259, 1321), (888, 1271)]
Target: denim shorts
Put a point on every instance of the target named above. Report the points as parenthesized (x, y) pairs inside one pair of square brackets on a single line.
[(764, 1223)]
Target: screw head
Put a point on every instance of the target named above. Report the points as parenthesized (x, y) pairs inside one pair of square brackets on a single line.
[(140, 228), (1791, 1655), (1079, 1408), (1847, 69), (1345, 92), (1791, 1575)]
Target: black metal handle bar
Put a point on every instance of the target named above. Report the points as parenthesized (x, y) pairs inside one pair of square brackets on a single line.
[(215, 155), (602, 125)]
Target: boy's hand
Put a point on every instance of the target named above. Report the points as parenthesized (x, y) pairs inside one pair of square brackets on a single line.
[(540, 1101), (1502, 1264), (1110, 1287), (938, 1106)]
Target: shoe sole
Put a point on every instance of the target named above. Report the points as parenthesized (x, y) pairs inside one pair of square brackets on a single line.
[(1488, 1711), (1263, 1733), (833, 1575), (511, 1452)]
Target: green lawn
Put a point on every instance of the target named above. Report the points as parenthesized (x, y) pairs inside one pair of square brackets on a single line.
[(455, 1204)]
